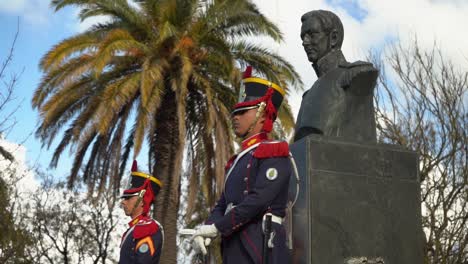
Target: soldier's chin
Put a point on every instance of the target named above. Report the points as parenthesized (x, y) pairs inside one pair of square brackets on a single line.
[(238, 133), (312, 58)]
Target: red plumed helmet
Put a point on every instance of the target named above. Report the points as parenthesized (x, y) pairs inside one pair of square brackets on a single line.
[(254, 91), (141, 183)]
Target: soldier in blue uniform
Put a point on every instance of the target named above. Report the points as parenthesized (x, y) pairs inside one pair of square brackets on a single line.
[(142, 242), (256, 183)]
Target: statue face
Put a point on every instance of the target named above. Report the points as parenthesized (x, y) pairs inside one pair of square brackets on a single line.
[(314, 39)]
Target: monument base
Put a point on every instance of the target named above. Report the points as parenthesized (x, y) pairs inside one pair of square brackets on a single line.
[(357, 201)]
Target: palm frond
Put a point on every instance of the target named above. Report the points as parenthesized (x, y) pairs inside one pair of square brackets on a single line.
[(59, 4), (269, 64), (286, 117), (81, 43), (117, 41)]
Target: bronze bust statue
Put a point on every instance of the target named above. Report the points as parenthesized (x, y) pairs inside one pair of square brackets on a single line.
[(340, 103)]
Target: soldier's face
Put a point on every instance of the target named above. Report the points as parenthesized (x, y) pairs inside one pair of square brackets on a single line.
[(242, 120), (128, 205), (314, 39)]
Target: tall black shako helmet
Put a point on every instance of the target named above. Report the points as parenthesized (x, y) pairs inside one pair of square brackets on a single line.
[(259, 93), (143, 184)]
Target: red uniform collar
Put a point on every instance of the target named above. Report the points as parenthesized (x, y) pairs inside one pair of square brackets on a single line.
[(262, 136), (137, 219)]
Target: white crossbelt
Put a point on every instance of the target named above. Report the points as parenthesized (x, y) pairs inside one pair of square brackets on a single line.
[(274, 218), (229, 207)]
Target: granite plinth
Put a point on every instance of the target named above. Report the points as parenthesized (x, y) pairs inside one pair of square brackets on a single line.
[(357, 200)]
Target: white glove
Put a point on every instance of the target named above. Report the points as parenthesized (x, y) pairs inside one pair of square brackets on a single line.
[(199, 244), (206, 231)]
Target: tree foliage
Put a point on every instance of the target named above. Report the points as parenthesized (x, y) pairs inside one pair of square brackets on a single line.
[(15, 241), (422, 104), (48, 223), (7, 87)]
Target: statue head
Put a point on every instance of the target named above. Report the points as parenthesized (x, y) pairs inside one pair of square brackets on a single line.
[(321, 33)]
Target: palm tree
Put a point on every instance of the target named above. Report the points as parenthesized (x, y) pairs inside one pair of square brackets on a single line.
[(170, 68)]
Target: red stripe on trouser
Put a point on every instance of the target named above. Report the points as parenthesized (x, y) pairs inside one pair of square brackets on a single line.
[(252, 245)]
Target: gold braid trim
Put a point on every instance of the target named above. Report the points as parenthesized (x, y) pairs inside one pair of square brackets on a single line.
[(140, 197), (261, 109)]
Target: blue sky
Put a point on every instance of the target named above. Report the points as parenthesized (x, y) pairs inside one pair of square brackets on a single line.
[(352, 7), (368, 24), (36, 36)]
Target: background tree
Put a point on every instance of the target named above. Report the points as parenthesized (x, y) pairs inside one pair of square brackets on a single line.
[(48, 223), (15, 240), (7, 87), (421, 104), (168, 68), (70, 227)]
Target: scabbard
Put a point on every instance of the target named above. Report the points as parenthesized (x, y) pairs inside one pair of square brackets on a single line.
[(266, 238)]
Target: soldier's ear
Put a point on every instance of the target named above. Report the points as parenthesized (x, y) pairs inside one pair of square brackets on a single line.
[(334, 38)]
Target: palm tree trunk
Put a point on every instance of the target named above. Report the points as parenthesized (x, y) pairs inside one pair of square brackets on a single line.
[(167, 167)]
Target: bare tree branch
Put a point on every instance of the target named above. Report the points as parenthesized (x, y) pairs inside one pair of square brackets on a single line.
[(421, 104)]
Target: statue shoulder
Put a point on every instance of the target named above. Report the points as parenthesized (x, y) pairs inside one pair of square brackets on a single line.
[(272, 149), (359, 77), (358, 66)]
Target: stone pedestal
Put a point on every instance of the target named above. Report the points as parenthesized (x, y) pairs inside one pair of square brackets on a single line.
[(356, 201)]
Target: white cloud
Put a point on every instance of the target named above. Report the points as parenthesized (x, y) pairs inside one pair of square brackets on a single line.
[(428, 20), (17, 172), (39, 13), (34, 12), (12, 6)]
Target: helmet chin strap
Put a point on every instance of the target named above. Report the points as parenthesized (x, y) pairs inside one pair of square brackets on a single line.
[(140, 198), (261, 108)]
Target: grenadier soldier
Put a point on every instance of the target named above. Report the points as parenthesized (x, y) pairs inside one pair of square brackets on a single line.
[(255, 192), (143, 241)]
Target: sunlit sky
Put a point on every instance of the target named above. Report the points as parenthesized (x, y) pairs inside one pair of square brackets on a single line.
[(368, 24)]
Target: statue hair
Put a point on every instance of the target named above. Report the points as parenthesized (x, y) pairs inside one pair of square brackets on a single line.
[(329, 22)]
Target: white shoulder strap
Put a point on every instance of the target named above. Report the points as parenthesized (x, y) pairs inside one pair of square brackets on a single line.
[(240, 155)]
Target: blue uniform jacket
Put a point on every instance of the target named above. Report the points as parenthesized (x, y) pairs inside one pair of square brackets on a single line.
[(142, 242), (256, 183)]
